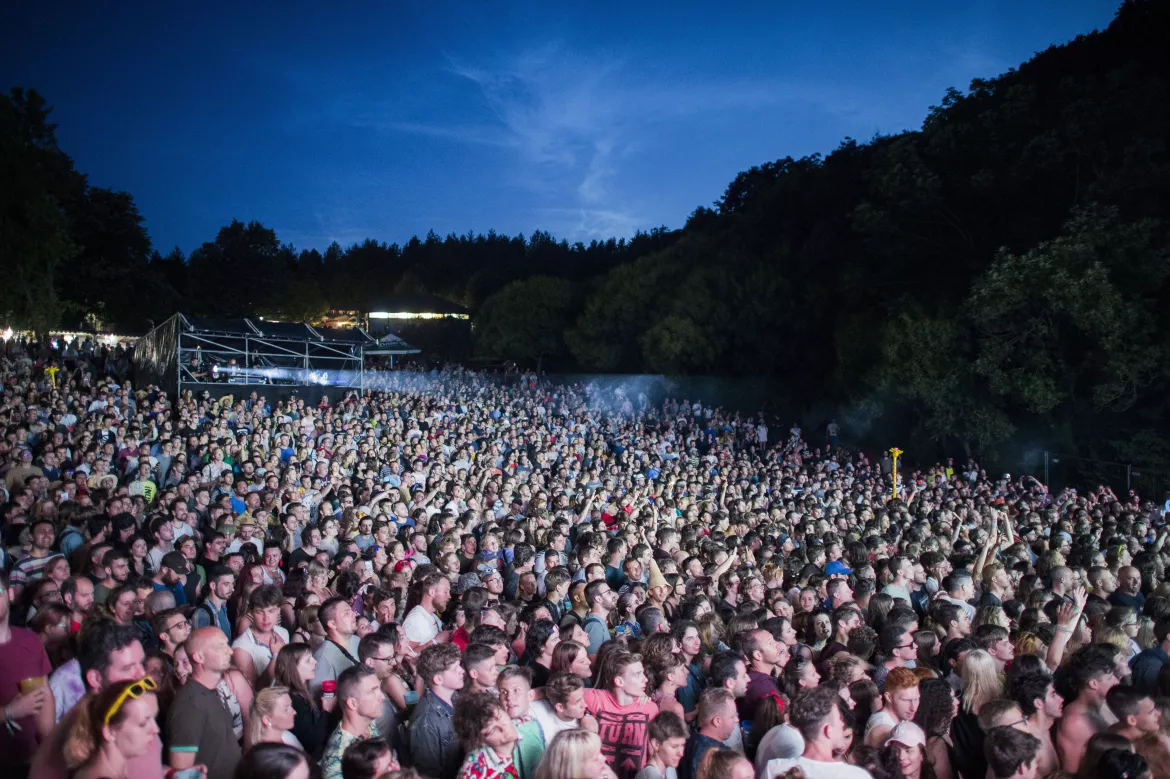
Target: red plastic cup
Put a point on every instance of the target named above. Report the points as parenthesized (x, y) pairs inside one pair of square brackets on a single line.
[(328, 687)]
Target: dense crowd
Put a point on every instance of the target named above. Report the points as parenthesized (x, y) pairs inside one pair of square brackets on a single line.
[(459, 579)]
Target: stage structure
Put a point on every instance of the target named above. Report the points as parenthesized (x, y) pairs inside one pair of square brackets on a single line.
[(222, 355)]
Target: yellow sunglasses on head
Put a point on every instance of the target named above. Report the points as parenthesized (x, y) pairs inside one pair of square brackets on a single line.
[(135, 690)]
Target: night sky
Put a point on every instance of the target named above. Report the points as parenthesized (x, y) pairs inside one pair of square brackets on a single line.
[(345, 121)]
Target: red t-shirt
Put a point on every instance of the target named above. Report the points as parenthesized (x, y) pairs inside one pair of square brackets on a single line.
[(23, 657), (622, 730)]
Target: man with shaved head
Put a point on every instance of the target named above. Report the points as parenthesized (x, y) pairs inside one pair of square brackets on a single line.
[(198, 725), (1063, 581), (1129, 589)]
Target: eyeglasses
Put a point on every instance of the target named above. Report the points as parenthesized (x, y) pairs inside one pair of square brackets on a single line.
[(136, 690), (383, 659)]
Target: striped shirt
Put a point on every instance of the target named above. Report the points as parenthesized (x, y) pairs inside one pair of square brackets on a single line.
[(29, 568)]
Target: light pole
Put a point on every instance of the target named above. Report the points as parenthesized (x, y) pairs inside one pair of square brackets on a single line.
[(896, 452)]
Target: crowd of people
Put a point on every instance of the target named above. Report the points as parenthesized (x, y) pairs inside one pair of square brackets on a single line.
[(455, 579)]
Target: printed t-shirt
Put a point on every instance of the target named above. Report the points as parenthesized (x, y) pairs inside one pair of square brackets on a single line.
[(622, 730)]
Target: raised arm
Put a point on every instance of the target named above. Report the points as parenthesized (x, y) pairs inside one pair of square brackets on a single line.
[(1067, 618)]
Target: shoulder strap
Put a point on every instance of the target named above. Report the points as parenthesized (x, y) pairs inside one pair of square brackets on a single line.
[(344, 651), (203, 604)]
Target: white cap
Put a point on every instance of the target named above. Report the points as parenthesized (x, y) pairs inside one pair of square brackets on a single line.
[(907, 734)]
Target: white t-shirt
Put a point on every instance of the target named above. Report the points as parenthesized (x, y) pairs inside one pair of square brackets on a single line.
[(421, 626), (815, 769), (238, 544), (261, 654), (777, 744), (155, 555), (550, 723)]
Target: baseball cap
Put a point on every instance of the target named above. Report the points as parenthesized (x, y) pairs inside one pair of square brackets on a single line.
[(837, 567), (176, 562), (486, 571), (466, 582), (907, 734)]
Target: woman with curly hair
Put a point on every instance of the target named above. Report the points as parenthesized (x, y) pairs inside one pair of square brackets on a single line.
[(666, 674), (937, 706)]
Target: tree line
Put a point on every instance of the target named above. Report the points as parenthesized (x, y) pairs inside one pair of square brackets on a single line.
[(994, 279)]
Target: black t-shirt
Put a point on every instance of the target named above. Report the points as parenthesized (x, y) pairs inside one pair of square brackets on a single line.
[(298, 557), (967, 737)]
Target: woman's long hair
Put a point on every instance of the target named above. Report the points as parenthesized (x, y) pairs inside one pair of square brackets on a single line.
[(768, 714), (568, 754), (980, 681), (711, 632), (879, 607), (927, 641), (564, 656), (286, 675), (936, 707)]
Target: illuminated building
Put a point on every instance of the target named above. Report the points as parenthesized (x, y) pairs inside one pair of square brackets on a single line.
[(437, 326)]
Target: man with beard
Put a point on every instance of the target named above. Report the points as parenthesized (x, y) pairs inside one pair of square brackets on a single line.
[(108, 654), (424, 625)]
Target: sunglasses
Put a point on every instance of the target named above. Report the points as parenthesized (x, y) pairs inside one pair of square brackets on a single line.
[(136, 690)]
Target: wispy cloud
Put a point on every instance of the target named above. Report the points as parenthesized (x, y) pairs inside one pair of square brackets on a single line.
[(574, 123)]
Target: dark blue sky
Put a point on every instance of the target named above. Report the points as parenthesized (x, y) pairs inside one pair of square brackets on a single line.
[(342, 121)]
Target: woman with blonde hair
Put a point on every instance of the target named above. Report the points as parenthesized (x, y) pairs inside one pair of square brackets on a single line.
[(991, 615), (273, 718), (1030, 644), (574, 754), (980, 685), (711, 632), (114, 726), (980, 681), (1116, 637)]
